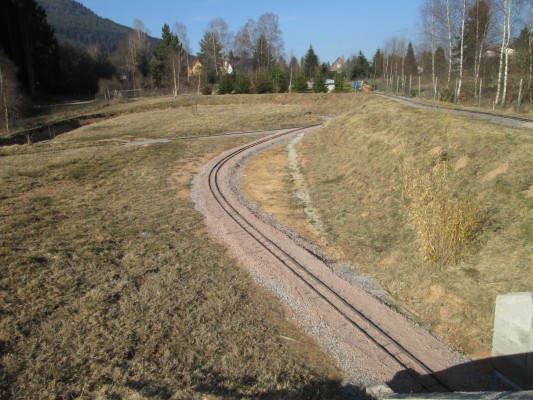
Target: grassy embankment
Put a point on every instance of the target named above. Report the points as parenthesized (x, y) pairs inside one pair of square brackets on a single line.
[(355, 167), (49, 114), (110, 285)]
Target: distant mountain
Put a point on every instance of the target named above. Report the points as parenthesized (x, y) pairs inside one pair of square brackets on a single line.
[(76, 24)]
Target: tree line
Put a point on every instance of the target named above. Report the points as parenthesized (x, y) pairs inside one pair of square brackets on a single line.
[(35, 64), (469, 50), (250, 60)]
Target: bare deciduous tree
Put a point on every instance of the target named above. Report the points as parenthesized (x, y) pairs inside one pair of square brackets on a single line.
[(461, 50), (429, 32), (261, 39), (137, 50), (268, 26), (181, 31), (505, 21), (220, 29), (11, 98), (245, 40)]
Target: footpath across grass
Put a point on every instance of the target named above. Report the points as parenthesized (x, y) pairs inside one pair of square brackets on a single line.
[(110, 285)]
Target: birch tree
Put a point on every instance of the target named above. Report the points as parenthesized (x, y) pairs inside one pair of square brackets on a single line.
[(476, 28), (449, 30), (220, 30), (461, 50), (181, 32), (429, 32), (502, 70), (530, 49), (507, 41)]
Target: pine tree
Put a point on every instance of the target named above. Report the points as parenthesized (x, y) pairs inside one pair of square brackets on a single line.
[(319, 82), (310, 63), (264, 83), (226, 84), (29, 41), (361, 69), (377, 63), (339, 82), (242, 83), (410, 61), (299, 84), (210, 56), (280, 80), (440, 61), (162, 61)]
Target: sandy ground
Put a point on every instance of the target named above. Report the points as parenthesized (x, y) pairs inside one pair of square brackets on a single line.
[(366, 356)]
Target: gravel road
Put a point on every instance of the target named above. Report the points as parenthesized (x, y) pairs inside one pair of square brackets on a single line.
[(364, 359)]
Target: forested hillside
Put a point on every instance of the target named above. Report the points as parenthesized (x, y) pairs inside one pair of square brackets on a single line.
[(76, 24)]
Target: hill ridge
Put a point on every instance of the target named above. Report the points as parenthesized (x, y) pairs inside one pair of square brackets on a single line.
[(76, 24)]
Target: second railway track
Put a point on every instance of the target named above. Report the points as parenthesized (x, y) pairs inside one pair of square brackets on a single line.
[(371, 342)]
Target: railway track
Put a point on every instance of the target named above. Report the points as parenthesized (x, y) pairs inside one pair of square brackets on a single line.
[(428, 381), (409, 366)]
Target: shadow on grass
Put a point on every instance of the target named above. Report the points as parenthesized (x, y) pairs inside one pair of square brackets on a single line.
[(219, 385), (473, 376)]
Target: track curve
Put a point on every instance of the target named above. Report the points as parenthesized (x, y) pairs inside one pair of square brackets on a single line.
[(371, 342)]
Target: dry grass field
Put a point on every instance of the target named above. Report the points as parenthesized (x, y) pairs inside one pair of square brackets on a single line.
[(356, 168), (110, 285)]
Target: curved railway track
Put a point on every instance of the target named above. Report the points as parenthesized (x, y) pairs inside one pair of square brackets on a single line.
[(321, 288), (408, 366)]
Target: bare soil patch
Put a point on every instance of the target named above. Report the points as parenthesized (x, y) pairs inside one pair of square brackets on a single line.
[(461, 163), (267, 181), (502, 169)]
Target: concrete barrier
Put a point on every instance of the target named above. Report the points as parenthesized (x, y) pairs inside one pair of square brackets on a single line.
[(512, 344), (463, 396)]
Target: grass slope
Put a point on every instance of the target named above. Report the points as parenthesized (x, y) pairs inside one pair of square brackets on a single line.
[(110, 286), (353, 169)]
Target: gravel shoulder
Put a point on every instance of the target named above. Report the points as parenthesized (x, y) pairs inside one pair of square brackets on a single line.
[(363, 360)]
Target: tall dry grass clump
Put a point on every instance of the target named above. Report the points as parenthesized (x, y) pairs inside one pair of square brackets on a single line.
[(447, 223)]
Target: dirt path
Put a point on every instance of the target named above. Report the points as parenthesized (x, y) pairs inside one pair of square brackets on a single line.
[(371, 342), (507, 120)]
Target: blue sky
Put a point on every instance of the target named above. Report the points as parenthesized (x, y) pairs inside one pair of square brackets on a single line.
[(333, 28)]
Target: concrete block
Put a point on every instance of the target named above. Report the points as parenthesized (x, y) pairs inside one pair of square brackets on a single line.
[(512, 344), (463, 396), (379, 391)]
